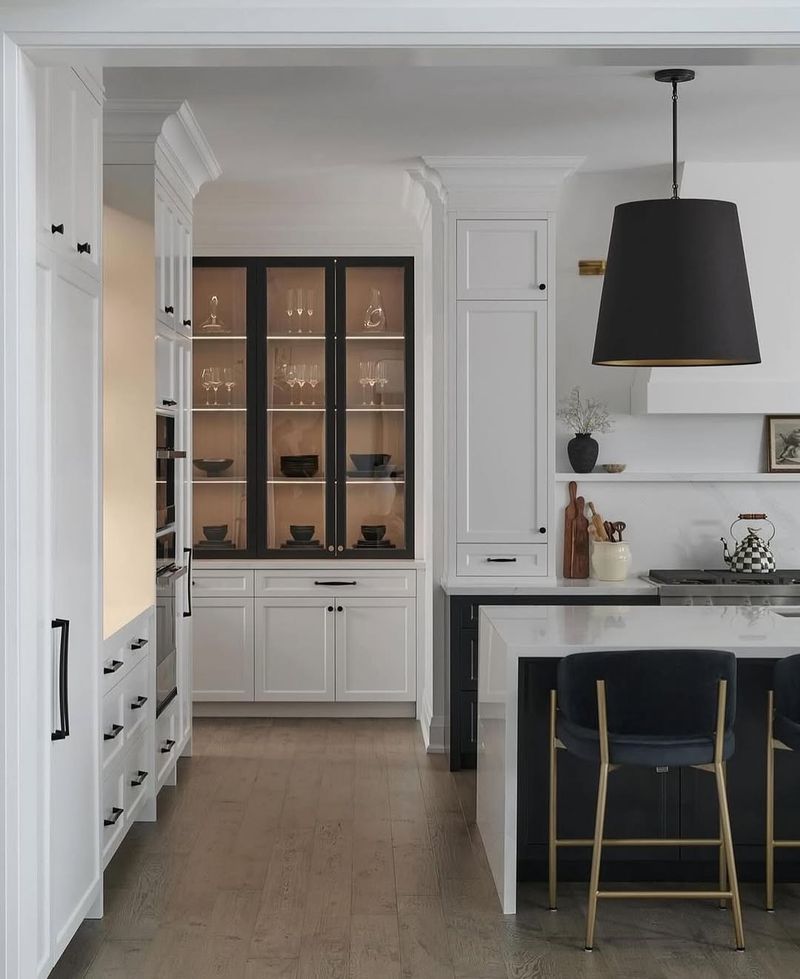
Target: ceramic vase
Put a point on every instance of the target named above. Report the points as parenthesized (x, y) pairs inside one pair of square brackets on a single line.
[(582, 451)]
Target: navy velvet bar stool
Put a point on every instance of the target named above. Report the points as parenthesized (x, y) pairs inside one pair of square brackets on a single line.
[(653, 708), (783, 733)]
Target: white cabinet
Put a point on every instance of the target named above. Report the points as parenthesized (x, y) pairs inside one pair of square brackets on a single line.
[(166, 368), (375, 649), (173, 229), (501, 419), (222, 654), (294, 657), (501, 260)]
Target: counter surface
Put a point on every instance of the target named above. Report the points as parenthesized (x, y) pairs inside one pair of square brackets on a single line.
[(532, 586)]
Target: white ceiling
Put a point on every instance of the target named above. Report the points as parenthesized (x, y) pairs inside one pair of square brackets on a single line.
[(270, 122)]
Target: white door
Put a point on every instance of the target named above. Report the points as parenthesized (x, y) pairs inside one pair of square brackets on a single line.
[(166, 368), (501, 260), (501, 399), (87, 192), (376, 649), (222, 649), (74, 483), (295, 648)]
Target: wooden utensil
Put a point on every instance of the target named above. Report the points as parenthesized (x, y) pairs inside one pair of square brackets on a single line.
[(580, 552), (570, 515), (597, 522), (609, 529), (619, 526)]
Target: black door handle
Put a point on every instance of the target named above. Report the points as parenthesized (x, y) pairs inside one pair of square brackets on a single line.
[(116, 812), (542, 286), (138, 703), (168, 402), (188, 615), (62, 731), (501, 560), (138, 778), (84, 248), (168, 745), (113, 666), (116, 729), (56, 229), (335, 584), (169, 309)]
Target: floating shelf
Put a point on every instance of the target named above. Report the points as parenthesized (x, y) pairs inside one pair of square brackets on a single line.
[(661, 477), (375, 336), (220, 336), (218, 408), (296, 336), (297, 408), (376, 408), (220, 480), (302, 481)]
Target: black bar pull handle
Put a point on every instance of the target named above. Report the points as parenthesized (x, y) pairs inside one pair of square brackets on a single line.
[(501, 560), (113, 666), (56, 229), (139, 643), (84, 248), (116, 812), (138, 778), (138, 703), (116, 730), (169, 309), (167, 746), (335, 584), (62, 731), (188, 615)]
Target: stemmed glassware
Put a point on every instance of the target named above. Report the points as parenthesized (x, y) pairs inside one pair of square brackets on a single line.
[(310, 306), (313, 380), (291, 379), (205, 380), (216, 382), (381, 378), (290, 306), (367, 377), (299, 308), (229, 380), (300, 377)]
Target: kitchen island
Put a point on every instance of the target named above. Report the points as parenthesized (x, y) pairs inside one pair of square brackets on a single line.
[(520, 649)]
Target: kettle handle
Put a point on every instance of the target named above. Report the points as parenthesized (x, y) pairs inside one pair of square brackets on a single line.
[(753, 516)]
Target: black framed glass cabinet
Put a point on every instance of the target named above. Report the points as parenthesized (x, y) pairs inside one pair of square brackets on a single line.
[(303, 398)]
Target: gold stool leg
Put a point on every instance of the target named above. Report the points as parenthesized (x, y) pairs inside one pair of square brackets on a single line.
[(602, 791), (736, 904), (552, 862), (770, 828), (723, 873)]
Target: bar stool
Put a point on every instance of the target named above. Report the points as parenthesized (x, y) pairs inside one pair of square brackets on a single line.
[(653, 708), (783, 733)]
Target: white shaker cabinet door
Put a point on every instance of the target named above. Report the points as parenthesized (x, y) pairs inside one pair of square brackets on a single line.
[(222, 649), (501, 422), (295, 648), (376, 649), (501, 259)]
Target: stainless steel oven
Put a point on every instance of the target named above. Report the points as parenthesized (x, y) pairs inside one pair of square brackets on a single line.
[(166, 454)]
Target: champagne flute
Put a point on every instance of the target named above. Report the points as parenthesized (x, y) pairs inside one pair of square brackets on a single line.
[(299, 307), (313, 381), (216, 382), (301, 379), (290, 306), (205, 380), (371, 380), (310, 306), (291, 379), (228, 379), (381, 378), (365, 371)]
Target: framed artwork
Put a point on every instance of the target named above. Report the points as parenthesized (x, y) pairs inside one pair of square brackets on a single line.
[(783, 443)]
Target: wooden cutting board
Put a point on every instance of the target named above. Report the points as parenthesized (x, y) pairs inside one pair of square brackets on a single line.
[(576, 536), (570, 516)]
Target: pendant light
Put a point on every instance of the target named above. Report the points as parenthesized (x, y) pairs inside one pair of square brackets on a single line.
[(676, 293)]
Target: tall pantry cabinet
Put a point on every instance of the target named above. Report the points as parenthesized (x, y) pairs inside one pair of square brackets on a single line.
[(68, 126)]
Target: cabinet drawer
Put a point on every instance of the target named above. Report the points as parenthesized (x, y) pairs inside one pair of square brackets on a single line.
[(222, 584), (113, 728), (502, 560), (465, 662), (137, 701), (138, 776), (377, 583), (113, 814), (122, 652), (166, 740)]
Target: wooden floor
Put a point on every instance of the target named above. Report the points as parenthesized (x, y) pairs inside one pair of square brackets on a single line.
[(330, 848)]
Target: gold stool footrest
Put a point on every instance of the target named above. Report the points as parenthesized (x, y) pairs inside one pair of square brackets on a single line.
[(668, 895)]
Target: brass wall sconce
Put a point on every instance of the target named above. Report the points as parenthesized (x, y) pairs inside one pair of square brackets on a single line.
[(592, 266)]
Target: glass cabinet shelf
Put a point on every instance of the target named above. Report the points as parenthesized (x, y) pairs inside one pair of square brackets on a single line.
[(310, 446)]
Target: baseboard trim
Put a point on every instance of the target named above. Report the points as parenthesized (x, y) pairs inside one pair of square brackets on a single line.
[(437, 736), (295, 709)]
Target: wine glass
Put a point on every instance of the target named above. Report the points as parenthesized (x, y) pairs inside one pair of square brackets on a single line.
[(299, 307), (365, 373), (291, 379), (313, 381), (372, 380), (301, 379), (310, 306), (381, 378), (215, 382), (205, 380), (290, 306), (228, 379)]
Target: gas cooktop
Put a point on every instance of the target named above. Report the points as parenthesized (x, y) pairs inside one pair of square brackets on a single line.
[(709, 578)]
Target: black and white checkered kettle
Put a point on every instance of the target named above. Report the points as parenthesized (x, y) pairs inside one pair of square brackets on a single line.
[(753, 554)]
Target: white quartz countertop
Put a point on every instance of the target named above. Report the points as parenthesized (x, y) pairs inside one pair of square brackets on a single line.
[(557, 630), (561, 586)]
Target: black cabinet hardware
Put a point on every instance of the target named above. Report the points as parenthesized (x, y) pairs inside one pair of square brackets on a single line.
[(501, 560), (168, 402), (542, 286), (167, 746), (138, 703), (330, 608), (116, 730), (116, 812), (339, 608), (335, 584), (84, 248), (138, 778), (57, 229), (113, 666), (188, 615), (169, 309), (187, 322), (62, 731), (139, 643), (543, 530)]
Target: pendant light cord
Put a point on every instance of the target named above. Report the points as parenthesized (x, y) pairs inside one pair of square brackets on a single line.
[(674, 139)]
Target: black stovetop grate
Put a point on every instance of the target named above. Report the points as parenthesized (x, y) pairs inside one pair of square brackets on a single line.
[(709, 578)]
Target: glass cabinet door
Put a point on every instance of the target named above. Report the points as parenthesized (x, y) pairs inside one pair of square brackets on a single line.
[(299, 464), (219, 408), (375, 436)]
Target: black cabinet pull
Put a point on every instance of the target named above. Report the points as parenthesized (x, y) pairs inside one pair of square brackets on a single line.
[(113, 666), (84, 248), (62, 731), (138, 778), (473, 673), (188, 615), (168, 402), (139, 643), (335, 584), (501, 560), (330, 608), (116, 730), (138, 703), (339, 608), (542, 286), (56, 229), (187, 322), (169, 309), (543, 530), (167, 746), (116, 812)]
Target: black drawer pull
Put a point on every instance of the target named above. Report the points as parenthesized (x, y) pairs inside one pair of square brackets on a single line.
[(187, 322), (543, 530), (139, 778), (84, 248), (330, 608), (169, 309), (335, 584), (542, 286), (116, 730), (139, 643), (472, 664), (167, 746), (56, 229), (115, 814), (168, 402), (501, 560), (138, 703), (113, 666)]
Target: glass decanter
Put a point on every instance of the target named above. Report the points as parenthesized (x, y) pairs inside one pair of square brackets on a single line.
[(375, 316), (212, 324)]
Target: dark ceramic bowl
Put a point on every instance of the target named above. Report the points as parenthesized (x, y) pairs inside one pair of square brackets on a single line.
[(302, 531), (373, 532), (216, 532), (366, 462), (213, 467), (299, 466)]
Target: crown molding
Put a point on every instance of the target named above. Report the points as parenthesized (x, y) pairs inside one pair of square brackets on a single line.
[(423, 190)]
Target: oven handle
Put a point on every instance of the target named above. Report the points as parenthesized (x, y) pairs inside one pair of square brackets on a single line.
[(63, 680), (188, 550), (170, 454), (172, 574)]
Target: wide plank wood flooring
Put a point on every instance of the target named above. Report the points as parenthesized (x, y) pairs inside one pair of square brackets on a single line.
[(338, 848)]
